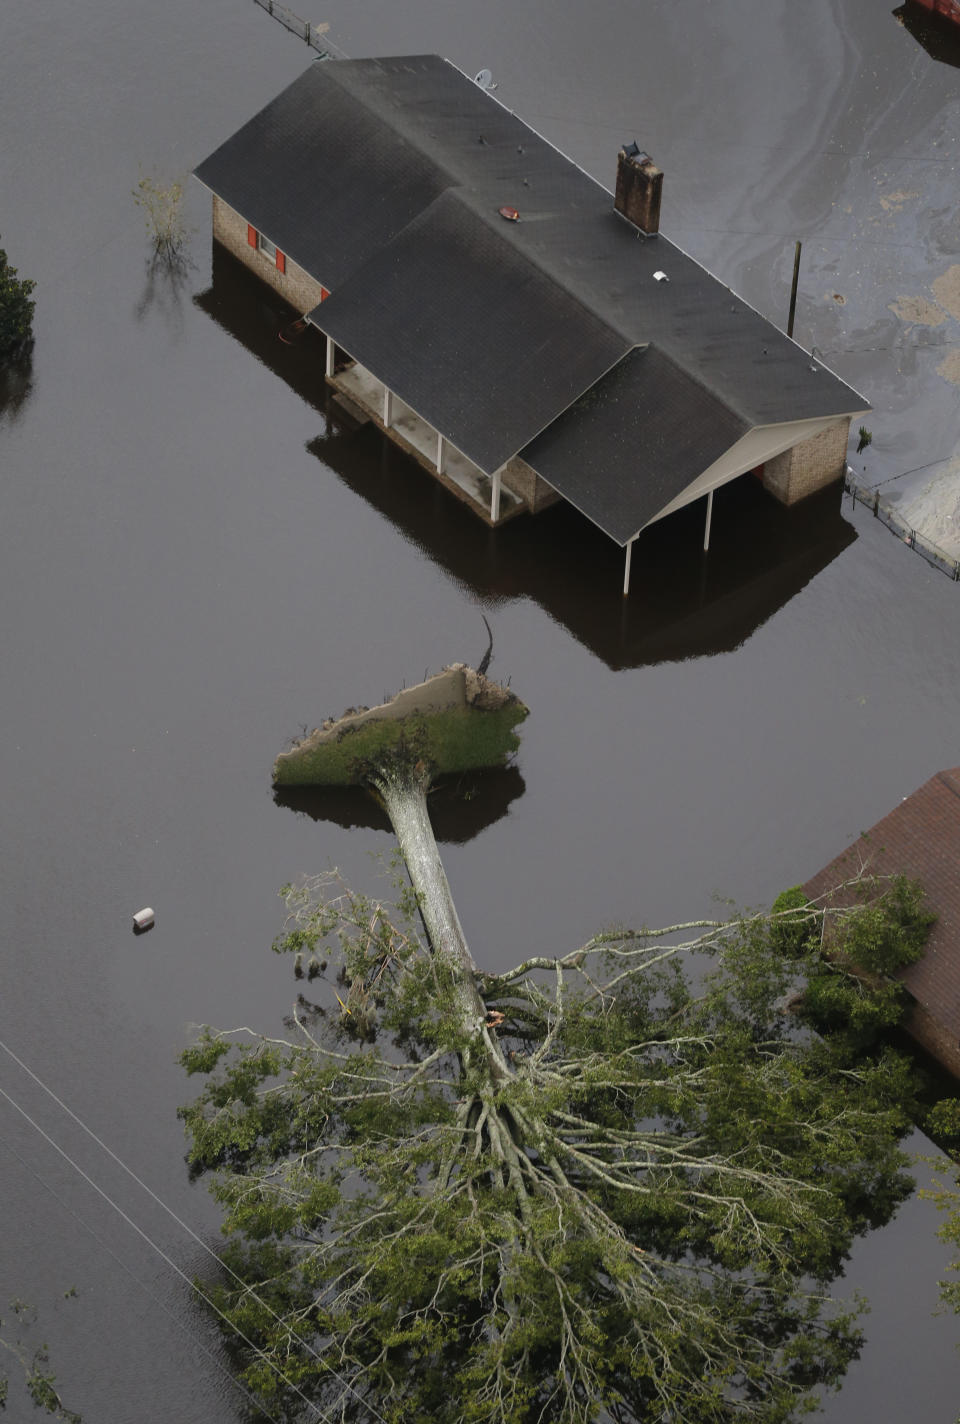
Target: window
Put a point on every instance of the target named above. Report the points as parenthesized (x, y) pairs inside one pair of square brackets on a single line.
[(270, 251)]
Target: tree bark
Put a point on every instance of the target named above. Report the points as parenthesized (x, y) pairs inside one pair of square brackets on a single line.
[(404, 798)]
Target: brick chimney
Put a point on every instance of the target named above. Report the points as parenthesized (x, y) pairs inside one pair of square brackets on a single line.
[(639, 185)]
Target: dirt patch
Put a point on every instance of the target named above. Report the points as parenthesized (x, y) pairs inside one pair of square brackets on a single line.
[(946, 289), (949, 367), (918, 311), (895, 202)]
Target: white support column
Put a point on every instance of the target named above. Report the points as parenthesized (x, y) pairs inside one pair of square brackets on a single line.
[(387, 407), (441, 454), (495, 498), (331, 353), (706, 529), (626, 565)]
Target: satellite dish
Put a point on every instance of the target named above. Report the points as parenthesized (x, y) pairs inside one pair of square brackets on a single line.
[(484, 79)]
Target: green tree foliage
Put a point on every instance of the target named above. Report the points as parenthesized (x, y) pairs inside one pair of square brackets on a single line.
[(16, 310), (852, 991), (33, 1365), (943, 1125), (792, 929), (622, 1192)]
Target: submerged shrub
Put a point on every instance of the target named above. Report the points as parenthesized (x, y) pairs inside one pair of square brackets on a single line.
[(16, 310)]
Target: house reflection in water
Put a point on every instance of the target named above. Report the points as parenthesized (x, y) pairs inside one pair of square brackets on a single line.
[(684, 603)]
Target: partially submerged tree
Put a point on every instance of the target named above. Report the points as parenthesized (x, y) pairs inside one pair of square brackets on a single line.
[(32, 1364), (612, 1184), (162, 206), (16, 310)]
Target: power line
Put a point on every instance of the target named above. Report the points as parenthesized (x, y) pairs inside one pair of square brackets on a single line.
[(65, 1205), (159, 1250), (944, 460), (638, 121), (222, 1265), (824, 238), (896, 346)]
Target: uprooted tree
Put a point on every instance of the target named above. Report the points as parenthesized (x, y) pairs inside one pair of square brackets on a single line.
[(612, 1184)]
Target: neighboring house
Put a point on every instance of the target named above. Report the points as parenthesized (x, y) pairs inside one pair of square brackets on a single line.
[(921, 839), (524, 336)]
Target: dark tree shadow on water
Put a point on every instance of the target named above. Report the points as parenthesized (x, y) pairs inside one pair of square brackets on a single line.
[(16, 387), (166, 288), (462, 806)]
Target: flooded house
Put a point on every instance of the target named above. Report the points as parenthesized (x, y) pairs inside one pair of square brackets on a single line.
[(523, 333)]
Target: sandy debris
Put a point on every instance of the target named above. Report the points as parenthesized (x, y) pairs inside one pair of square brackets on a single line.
[(918, 311), (935, 511), (894, 202), (946, 289), (949, 367)]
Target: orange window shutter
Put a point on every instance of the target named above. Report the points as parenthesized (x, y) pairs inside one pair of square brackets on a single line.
[(251, 235), (281, 261), (324, 294)]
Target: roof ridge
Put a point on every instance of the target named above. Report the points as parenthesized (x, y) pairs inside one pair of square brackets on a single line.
[(945, 775)]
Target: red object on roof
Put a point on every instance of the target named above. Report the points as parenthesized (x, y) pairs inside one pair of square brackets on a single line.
[(510, 214), (946, 9)]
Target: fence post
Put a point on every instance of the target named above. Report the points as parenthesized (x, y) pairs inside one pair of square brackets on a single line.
[(306, 26)]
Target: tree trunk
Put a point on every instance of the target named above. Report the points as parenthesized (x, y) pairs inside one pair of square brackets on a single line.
[(404, 798)]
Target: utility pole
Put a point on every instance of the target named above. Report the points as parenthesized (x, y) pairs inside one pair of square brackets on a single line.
[(793, 289)]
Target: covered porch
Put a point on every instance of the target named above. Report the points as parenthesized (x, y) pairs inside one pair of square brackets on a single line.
[(792, 459), (487, 495)]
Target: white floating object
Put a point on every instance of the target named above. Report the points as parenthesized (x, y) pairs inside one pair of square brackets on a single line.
[(143, 919)]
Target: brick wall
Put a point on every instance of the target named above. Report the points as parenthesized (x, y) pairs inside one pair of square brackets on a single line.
[(639, 189), (524, 481), (809, 466), (229, 228)]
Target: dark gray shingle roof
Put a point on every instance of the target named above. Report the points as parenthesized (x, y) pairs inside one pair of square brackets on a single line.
[(324, 178), (529, 348), (627, 447)]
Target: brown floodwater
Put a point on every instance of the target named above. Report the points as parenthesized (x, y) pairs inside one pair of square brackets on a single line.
[(198, 558)]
